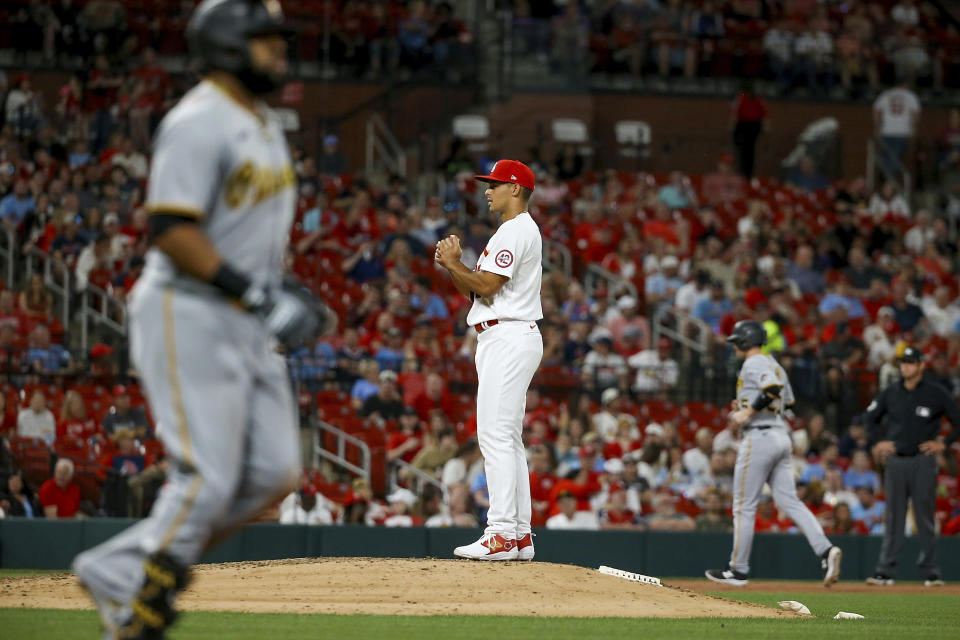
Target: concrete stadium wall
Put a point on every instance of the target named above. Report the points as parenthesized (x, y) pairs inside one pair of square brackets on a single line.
[(48, 544)]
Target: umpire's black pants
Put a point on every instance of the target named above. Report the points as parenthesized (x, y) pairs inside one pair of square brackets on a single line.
[(910, 478)]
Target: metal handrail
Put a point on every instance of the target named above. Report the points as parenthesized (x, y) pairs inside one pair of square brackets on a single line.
[(101, 315), (339, 458), (419, 476), (683, 321), (552, 248), (381, 142), (61, 288), (614, 282)]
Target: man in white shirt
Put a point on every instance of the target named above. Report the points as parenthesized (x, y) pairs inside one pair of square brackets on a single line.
[(917, 237), (941, 312), (657, 372), (604, 368), (36, 421), (896, 112), (814, 52), (569, 517), (690, 294), (697, 460), (302, 507)]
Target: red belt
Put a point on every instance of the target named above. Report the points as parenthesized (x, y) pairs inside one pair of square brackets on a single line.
[(483, 326)]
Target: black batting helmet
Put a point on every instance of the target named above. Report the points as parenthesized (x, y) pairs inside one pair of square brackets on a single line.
[(747, 334), (219, 30)]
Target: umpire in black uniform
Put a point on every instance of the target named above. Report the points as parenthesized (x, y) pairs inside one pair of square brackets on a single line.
[(914, 407)]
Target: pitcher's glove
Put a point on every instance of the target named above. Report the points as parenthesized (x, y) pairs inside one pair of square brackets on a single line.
[(290, 312)]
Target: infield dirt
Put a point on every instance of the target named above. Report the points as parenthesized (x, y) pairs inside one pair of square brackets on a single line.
[(407, 587)]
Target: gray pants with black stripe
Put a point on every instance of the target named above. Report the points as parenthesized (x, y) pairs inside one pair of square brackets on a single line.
[(764, 457), (915, 479), (225, 413)]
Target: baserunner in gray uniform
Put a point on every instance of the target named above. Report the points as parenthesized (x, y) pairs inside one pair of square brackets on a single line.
[(763, 393), (207, 317)]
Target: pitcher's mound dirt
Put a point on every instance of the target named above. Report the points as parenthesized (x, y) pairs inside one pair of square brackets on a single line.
[(407, 587)]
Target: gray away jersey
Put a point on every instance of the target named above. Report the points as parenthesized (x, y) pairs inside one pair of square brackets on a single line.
[(759, 372), (231, 169)]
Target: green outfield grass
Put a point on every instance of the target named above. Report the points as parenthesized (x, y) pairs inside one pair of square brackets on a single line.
[(888, 616)]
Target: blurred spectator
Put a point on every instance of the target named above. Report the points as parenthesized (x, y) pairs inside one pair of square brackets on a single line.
[(604, 368), (661, 287), (836, 494), (870, 511), (390, 355), (656, 371), (74, 423), (36, 301), (463, 466), (724, 185), (405, 443), (303, 507), (331, 161), (855, 438), (438, 448), (842, 299), (711, 310), (630, 330), (616, 515), (665, 516), (896, 113), (95, 256), (696, 459), (906, 314), (714, 517), (22, 110), (46, 358), (400, 504), (818, 470), (747, 121), (10, 316), (17, 500), (122, 415), (778, 43), (695, 290), (814, 57), (805, 176), (70, 241), (888, 202), (859, 473), (941, 311), (435, 397), (15, 206), (36, 420), (59, 495), (570, 517), (386, 403), (367, 384)]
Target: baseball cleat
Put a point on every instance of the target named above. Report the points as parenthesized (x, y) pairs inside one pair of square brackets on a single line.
[(113, 614), (880, 580), (831, 564), (490, 546), (933, 581), (525, 547), (727, 576)]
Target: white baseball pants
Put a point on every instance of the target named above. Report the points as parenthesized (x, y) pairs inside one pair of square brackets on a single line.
[(508, 355)]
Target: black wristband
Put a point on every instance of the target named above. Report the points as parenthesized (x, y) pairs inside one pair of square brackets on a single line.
[(230, 281)]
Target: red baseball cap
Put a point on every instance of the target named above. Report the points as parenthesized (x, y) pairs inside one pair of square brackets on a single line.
[(512, 171)]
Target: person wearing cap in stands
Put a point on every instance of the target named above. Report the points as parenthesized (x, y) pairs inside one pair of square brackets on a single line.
[(914, 408), (662, 286), (124, 416), (504, 289), (386, 403), (570, 517), (657, 372)]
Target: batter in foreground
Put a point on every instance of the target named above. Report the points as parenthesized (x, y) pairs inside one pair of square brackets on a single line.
[(763, 393), (505, 289), (207, 316)]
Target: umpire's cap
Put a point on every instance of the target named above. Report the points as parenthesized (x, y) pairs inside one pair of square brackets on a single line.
[(747, 334), (219, 30), (911, 354)]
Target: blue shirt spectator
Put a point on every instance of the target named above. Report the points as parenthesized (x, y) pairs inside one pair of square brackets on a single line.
[(870, 511), (660, 285), (18, 204), (850, 304), (314, 363), (479, 485), (363, 389), (428, 303), (51, 358), (813, 471), (854, 478), (802, 272), (712, 309)]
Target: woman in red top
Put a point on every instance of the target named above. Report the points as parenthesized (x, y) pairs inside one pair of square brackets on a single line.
[(749, 112), (74, 423)]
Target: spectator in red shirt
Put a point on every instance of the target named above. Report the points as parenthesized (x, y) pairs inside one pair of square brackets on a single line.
[(74, 425), (435, 397), (10, 316), (59, 495), (405, 443), (768, 519), (617, 515), (747, 119)]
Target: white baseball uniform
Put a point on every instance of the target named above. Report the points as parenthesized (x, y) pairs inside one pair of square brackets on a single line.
[(508, 354), (216, 385)]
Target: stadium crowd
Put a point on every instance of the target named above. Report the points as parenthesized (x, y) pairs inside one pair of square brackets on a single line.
[(619, 434)]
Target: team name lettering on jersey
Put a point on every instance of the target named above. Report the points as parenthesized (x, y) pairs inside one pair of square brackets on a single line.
[(260, 183)]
